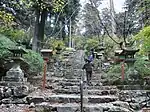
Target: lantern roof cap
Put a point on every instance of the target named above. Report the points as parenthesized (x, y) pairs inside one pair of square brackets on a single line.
[(18, 50), (118, 51), (70, 49), (130, 51), (99, 54), (126, 51), (46, 50)]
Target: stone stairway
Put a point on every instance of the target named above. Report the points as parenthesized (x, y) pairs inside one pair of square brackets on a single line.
[(65, 97), (63, 94)]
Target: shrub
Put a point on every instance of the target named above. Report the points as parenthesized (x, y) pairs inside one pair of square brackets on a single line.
[(114, 74), (91, 43), (34, 60), (53, 43), (13, 34), (143, 40), (5, 44), (142, 66), (117, 68)]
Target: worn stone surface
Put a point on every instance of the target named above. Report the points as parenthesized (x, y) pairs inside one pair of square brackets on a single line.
[(21, 91), (14, 74), (15, 91), (121, 104), (15, 108), (118, 109), (62, 93)]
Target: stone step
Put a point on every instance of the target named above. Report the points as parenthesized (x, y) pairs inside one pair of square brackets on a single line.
[(71, 98), (75, 107), (76, 79), (57, 79), (87, 87), (68, 107), (74, 84), (133, 87), (56, 83), (90, 92), (103, 92)]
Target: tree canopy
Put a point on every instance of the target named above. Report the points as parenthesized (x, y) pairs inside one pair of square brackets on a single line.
[(143, 40)]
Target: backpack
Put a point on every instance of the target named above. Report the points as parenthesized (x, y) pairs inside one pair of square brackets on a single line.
[(88, 67)]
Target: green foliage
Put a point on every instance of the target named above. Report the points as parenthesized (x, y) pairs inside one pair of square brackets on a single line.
[(114, 74), (13, 34), (110, 47), (91, 43), (34, 60), (79, 42), (143, 40), (117, 68), (5, 43), (44, 4), (53, 43), (142, 66), (57, 5), (6, 18)]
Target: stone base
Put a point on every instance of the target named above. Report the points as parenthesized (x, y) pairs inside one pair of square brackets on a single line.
[(14, 89), (15, 74), (13, 84), (14, 79)]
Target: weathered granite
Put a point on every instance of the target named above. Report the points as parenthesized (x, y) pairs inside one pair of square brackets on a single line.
[(14, 74)]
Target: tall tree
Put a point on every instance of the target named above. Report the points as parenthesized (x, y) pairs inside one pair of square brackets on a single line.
[(91, 20), (42, 8), (56, 27), (140, 8), (18, 10), (22, 10)]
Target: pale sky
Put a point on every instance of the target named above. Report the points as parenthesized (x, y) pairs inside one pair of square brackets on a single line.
[(117, 3)]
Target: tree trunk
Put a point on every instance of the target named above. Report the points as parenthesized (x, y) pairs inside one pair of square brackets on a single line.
[(36, 33), (63, 30), (60, 25), (41, 29)]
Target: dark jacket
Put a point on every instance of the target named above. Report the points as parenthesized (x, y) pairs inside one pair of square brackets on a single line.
[(88, 67)]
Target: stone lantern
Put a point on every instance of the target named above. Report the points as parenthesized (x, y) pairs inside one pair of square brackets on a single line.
[(15, 82), (99, 51), (126, 55), (130, 60), (15, 74), (58, 48), (129, 56), (99, 55), (120, 57), (47, 55)]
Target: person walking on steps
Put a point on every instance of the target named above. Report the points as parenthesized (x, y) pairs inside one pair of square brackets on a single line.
[(88, 67)]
